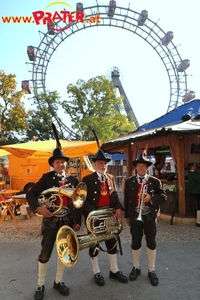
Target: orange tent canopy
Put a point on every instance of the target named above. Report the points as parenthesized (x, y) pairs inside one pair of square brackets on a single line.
[(69, 148)]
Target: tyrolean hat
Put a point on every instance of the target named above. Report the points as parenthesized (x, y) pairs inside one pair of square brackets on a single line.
[(142, 158), (100, 155), (57, 153)]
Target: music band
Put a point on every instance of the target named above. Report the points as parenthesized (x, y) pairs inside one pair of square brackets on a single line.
[(61, 200)]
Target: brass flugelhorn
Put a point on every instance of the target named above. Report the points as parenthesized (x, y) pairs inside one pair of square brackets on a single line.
[(102, 225), (78, 196)]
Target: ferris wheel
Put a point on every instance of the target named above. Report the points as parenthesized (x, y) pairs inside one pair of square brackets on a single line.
[(137, 23)]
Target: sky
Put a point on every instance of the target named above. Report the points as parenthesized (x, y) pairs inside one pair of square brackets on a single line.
[(96, 51)]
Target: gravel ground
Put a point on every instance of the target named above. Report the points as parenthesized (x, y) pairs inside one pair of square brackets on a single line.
[(29, 232)]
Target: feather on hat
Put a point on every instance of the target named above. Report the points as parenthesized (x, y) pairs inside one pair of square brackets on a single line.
[(100, 155), (142, 158), (57, 153)]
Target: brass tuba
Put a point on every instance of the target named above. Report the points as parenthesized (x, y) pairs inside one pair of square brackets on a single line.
[(78, 196), (68, 244)]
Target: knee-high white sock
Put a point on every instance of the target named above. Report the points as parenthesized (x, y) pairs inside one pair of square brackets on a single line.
[(113, 262), (136, 258), (95, 264), (42, 268), (198, 216), (151, 258), (60, 271)]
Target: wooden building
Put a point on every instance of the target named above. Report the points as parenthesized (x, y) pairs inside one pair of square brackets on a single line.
[(182, 141)]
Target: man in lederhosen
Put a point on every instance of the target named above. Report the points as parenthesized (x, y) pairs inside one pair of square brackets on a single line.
[(148, 188), (102, 194), (68, 215)]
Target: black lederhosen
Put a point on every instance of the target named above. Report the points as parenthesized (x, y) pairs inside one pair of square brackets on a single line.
[(49, 231), (147, 227)]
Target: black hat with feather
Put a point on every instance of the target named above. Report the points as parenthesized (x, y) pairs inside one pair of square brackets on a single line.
[(142, 158), (57, 153), (100, 155)]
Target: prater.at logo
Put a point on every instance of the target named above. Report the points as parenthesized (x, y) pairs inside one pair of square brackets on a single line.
[(66, 16)]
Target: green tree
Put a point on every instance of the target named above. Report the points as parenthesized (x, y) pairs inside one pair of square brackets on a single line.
[(12, 111), (95, 105), (40, 118)]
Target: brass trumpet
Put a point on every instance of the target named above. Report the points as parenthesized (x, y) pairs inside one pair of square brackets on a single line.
[(141, 208), (78, 196), (68, 244)]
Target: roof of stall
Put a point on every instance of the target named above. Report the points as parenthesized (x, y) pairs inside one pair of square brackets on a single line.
[(186, 111), (187, 127), (185, 118)]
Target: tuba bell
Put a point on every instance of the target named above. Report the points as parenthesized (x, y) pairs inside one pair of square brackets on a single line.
[(78, 196), (20, 196), (18, 201), (68, 244)]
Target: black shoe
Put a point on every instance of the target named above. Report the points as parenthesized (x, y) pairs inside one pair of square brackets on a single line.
[(119, 276), (62, 288), (99, 279), (153, 278), (134, 274), (197, 225), (39, 293)]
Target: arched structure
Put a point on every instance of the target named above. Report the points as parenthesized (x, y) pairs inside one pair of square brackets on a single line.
[(136, 23)]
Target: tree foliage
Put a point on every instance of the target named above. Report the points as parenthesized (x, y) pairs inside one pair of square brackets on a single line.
[(12, 111), (40, 118), (95, 105), (91, 105)]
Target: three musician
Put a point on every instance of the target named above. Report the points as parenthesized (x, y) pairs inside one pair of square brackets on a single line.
[(143, 195)]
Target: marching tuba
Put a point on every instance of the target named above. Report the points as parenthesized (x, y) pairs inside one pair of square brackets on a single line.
[(102, 225), (78, 196)]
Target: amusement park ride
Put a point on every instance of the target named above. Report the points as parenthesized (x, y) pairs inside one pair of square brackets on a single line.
[(137, 23), (127, 106)]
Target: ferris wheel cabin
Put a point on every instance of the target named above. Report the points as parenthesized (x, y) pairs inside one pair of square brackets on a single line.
[(79, 6), (50, 29), (189, 96), (26, 86), (167, 38), (142, 17), (111, 8), (31, 53), (185, 63)]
